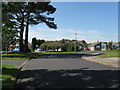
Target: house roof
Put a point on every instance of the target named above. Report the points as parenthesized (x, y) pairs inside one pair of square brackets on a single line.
[(114, 43), (93, 44), (80, 43)]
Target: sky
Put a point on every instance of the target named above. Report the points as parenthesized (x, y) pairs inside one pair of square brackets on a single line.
[(92, 21)]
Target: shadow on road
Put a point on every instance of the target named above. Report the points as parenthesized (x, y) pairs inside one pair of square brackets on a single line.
[(69, 55), (61, 55), (81, 78)]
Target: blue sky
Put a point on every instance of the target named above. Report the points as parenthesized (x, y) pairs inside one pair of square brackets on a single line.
[(92, 21)]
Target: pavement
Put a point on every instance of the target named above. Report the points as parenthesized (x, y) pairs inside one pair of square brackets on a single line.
[(106, 61), (114, 62), (13, 62)]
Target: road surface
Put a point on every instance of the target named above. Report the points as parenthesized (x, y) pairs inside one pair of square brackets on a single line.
[(66, 71)]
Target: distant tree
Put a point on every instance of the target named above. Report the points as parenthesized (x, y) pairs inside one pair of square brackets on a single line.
[(33, 44), (51, 45), (69, 46), (39, 42), (56, 45), (9, 36), (65, 45), (73, 40), (62, 41), (45, 46), (72, 46), (110, 45)]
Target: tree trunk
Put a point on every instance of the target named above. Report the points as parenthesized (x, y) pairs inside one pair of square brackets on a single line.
[(21, 35), (26, 33), (6, 49), (26, 37)]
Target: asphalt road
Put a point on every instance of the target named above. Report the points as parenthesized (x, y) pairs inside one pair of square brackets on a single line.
[(66, 71)]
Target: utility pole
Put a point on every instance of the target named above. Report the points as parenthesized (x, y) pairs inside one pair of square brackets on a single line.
[(75, 42)]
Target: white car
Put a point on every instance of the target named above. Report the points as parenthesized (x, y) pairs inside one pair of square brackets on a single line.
[(37, 50)]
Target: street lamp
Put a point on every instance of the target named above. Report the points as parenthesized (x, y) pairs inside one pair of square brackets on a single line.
[(75, 42), (75, 36)]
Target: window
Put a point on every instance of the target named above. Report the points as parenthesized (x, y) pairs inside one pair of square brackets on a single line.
[(98, 47)]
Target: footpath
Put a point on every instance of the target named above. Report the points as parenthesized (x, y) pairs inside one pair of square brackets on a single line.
[(114, 62), (14, 62)]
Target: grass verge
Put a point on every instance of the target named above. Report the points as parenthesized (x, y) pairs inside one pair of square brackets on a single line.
[(109, 54), (8, 75), (67, 52), (19, 56)]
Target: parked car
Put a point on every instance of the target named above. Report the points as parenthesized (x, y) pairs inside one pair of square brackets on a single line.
[(37, 49), (16, 50), (87, 49)]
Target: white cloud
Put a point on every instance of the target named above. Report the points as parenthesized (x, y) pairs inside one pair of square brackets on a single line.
[(88, 35)]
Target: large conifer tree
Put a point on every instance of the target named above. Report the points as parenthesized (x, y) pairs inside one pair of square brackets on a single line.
[(28, 13)]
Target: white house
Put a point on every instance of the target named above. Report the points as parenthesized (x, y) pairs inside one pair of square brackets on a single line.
[(98, 46)]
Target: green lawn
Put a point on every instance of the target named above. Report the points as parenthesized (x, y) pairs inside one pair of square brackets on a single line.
[(109, 54), (106, 54), (8, 75), (67, 52), (19, 56)]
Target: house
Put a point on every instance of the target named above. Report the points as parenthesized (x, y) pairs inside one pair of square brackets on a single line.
[(83, 45), (12, 47), (16, 46), (116, 45), (59, 49), (98, 46)]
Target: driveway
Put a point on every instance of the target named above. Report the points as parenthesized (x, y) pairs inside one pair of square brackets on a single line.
[(66, 71)]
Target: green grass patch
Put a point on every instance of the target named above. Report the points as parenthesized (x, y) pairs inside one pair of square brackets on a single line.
[(109, 54), (8, 75), (19, 56), (7, 58), (67, 52)]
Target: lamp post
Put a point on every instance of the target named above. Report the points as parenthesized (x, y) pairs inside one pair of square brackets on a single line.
[(75, 36), (75, 42)]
